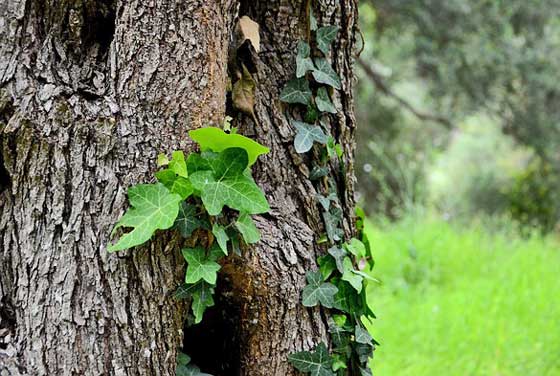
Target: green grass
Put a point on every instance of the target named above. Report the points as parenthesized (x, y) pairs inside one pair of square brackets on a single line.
[(466, 300)]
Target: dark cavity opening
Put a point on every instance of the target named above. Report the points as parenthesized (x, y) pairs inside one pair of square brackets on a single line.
[(99, 24), (214, 344)]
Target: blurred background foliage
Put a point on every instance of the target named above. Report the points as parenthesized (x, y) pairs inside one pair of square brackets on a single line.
[(458, 165), (458, 106)]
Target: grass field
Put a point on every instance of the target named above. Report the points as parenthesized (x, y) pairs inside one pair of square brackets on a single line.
[(464, 300)]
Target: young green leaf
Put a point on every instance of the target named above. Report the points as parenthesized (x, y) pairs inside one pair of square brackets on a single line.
[(325, 74), (178, 164), (176, 184), (323, 101), (303, 61), (162, 160), (317, 363), (296, 91), (306, 135), (325, 36), (216, 140), (317, 291), (200, 266), (153, 208), (349, 276), (247, 228), (339, 362), (221, 237), (356, 247), (228, 185), (187, 220)]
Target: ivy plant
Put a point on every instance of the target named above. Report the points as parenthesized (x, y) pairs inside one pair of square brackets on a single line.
[(190, 196), (341, 281)]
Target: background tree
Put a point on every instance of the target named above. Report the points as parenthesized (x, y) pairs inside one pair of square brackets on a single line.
[(91, 91)]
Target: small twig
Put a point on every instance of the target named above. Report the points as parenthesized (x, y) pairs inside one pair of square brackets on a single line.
[(382, 86)]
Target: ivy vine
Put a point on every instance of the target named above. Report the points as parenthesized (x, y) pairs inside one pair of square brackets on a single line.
[(340, 283), (189, 196)]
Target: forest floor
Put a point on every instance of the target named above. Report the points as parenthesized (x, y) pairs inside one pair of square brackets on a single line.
[(464, 300)]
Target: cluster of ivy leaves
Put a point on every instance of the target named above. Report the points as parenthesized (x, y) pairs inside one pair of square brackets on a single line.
[(340, 283), (189, 196)]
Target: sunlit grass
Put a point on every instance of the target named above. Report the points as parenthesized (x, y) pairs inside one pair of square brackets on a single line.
[(464, 300)]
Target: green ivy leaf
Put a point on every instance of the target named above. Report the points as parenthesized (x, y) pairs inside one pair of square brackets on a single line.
[(312, 20), (303, 61), (317, 291), (325, 74), (361, 335), (325, 36), (296, 91), (228, 185), (153, 208), (306, 135), (247, 228), (178, 164), (356, 247), (162, 160), (189, 370), (176, 184), (347, 299), (195, 163), (215, 139), (339, 255), (323, 101), (187, 220), (349, 276), (317, 363), (200, 266), (326, 265), (201, 299), (332, 219), (221, 237), (318, 172), (339, 362), (364, 352)]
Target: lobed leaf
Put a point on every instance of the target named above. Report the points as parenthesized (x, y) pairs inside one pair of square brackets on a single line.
[(215, 139), (306, 135), (325, 74), (247, 228), (153, 208), (317, 291), (296, 91), (200, 266), (317, 363), (325, 36)]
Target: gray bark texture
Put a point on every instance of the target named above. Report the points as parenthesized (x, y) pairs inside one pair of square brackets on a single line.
[(90, 92)]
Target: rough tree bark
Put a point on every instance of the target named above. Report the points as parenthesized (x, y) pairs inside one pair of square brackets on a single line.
[(90, 92)]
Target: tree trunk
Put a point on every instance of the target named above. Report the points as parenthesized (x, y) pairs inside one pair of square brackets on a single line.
[(90, 92)]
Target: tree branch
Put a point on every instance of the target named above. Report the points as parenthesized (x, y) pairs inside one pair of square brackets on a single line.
[(377, 79)]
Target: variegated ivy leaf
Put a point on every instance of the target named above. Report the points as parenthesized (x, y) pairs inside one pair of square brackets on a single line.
[(227, 185), (317, 291), (325, 36), (153, 208), (306, 135), (201, 266), (247, 228), (325, 74), (361, 335), (317, 363), (303, 59), (296, 91), (323, 101)]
